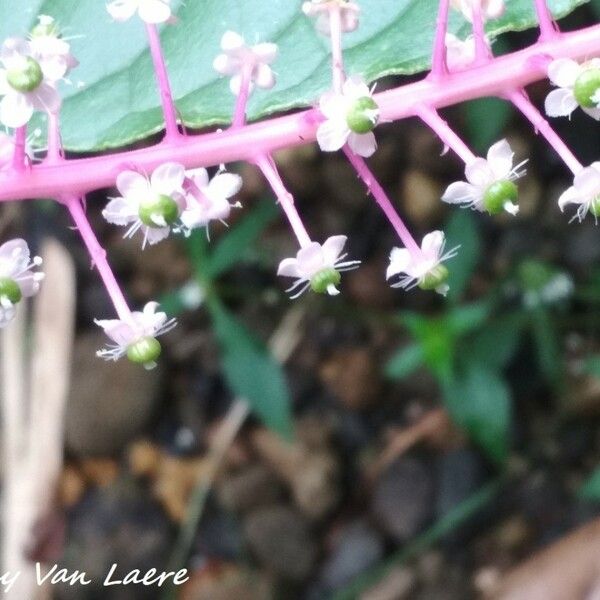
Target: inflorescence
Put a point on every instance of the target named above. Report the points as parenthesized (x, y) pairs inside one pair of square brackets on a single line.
[(173, 199)]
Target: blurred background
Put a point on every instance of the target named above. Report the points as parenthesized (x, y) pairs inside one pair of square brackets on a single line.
[(379, 445)]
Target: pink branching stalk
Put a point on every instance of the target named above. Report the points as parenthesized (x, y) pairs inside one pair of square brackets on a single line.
[(482, 50), (439, 66), (19, 158), (548, 27), (162, 78)]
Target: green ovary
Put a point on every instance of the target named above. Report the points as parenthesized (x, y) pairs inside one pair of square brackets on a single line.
[(145, 351), (498, 195), (27, 77), (321, 281), (434, 278), (363, 116), (10, 290), (160, 206), (587, 87)]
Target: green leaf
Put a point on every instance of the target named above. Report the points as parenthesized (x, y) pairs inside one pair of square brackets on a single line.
[(466, 318), (251, 371), (590, 490), (547, 346), (113, 101), (479, 401), (230, 248), (592, 365), (497, 343), (404, 362), (462, 231)]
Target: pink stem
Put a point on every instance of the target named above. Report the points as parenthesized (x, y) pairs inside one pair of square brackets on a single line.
[(54, 153), (482, 50), (548, 28), (239, 116), (433, 120), (269, 170), (162, 78), (79, 176), (98, 256), (337, 56), (439, 66), (374, 187), (521, 101), (19, 161)]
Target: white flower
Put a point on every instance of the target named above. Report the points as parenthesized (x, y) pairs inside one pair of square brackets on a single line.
[(489, 186), (208, 200), (26, 82), (350, 118), (152, 205), (150, 11), (491, 9), (578, 85), (17, 278), (51, 51), (136, 337), (459, 53), (424, 269), (349, 12), (318, 267), (585, 192), (237, 57)]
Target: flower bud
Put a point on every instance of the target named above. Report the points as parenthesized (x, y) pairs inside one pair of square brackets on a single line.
[(325, 281), (10, 290), (435, 279), (587, 86), (46, 27), (501, 195), (144, 352), (26, 77), (159, 211), (363, 115)]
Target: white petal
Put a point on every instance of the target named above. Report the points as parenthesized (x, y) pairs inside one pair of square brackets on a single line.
[(461, 192), (118, 331), (587, 182), (563, 72), (355, 87), (494, 8), (500, 159), (432, 244), (46, 98), (569, 196), (122, 10), (156, 234), (266, 53), (479, 172), (133, 185), (226, 65), (264, 77), (12, 249), (154, 11), (332, 248), (400, 259), (349, 19), (225, 185), (288, 267), (120, 211), (232, 42), (560, 103), (332, 105), (310, 260), (167, 178), (29, 283), (332, 134), (363, 144), (592, 112), (15, 110)]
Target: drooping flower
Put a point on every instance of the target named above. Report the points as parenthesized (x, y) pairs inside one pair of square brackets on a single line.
[(349, 12), (578, 85), (152, 205), (585, 192), (459, 53), (17, 278), (51, 50), (26, 82), (490, 9), (150, 11), (350, 118), (318, 266), (136, 337), (238, 57), (208, 199), (490, 183), (423, 269)]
